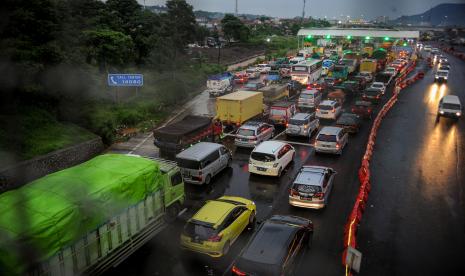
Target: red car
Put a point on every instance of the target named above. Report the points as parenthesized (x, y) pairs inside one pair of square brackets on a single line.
[(241, 78), (363, 109)]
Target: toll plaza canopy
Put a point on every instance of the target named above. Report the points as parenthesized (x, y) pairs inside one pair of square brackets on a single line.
[(354, 33)]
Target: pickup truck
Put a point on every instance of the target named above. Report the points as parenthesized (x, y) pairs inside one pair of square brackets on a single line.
[(88, 218), (176, 137)]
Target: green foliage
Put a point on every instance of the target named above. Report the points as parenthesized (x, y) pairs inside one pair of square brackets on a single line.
[(107, 47), (233, 28), (29, 140)]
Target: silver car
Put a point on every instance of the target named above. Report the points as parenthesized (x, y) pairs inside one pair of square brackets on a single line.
[(302, 124), (312, 187), (251, 134)]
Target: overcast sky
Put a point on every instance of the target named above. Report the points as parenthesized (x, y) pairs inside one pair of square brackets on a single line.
[(330, 8)]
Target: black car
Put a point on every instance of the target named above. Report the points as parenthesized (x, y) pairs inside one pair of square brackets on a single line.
[(349, 121), (276, 248), (372, 94)]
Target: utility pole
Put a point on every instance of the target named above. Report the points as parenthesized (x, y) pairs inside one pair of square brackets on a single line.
[(303, 11), (236, 11)]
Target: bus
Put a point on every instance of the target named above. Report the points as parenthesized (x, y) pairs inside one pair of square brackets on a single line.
[(306, 72)]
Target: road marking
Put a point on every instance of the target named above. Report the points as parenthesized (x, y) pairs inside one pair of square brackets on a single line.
[(296, 143), (140, 144), (281, 133)]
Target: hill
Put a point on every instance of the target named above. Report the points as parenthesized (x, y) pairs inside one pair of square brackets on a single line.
[(441, 15)]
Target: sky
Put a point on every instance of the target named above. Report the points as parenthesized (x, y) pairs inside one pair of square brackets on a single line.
[(332, 9)]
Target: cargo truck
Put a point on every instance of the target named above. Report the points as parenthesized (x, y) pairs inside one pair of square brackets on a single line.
[(274, 92), (176, 137), (369, 65), (236, 108), (220, 84), (88, 218)]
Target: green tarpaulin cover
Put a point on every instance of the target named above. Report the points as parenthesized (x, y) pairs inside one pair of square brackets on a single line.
[(57, 210)]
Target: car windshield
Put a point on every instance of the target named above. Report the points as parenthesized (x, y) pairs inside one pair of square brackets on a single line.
[(277, 112), (326, 138), (188, 164), (377, 85), (251, 85), (203, 231), (306, 96), (325, 107), (296, 122), (450, 106), (250, 71), (305, 188), (246, 132), (263, 157)]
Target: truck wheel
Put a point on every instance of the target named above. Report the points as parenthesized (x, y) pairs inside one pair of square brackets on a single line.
[(208, 179), (172, 213)]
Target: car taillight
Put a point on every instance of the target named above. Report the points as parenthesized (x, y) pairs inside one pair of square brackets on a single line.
[(319, 195), (334, 110), (337, 146), (317, 109), (236, 271), (216, 238), (293, 192), (353, 110), (305, 126)]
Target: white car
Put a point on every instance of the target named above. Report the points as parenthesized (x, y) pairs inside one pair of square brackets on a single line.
[(264, 68), (271, 158), (441, 76), (380, 86), (427, 48), (328, 110), (331, 140), (450, 106), (391, 70), (367, 75)]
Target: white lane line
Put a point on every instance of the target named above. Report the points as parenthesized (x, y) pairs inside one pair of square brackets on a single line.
[(140, 144), (296, 143), (276, 136)]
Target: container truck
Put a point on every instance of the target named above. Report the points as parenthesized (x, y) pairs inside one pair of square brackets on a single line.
[(236, 108), (176, 137), (87, 218)]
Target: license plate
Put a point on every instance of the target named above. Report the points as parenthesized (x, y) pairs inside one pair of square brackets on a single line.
[(261, 169), (324, 112), (326, 146), (306, 198)]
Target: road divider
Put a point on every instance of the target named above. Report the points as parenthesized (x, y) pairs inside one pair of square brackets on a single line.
[(364, 175)]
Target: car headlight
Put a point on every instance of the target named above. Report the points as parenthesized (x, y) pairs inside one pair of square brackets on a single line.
[(275, 165), (458, 114), (436, 77), (441, 112), (445, 78)]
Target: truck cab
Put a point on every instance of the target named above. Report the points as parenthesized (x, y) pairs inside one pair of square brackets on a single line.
[(282, 112)]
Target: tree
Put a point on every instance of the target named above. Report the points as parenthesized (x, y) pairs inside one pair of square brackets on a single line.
[(107, 47), (233, 28), (180, 23)]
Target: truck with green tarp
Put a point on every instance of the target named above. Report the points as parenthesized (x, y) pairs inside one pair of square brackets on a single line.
[(87, 218)]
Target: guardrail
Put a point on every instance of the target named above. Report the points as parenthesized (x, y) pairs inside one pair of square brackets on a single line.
[(355, 217), (451, 51)]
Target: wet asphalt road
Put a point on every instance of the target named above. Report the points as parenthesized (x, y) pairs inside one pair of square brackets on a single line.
[(162, 255), (416, 224)]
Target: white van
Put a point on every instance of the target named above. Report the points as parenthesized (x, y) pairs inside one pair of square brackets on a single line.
[(328, 110), (331, 140), (450, 106), (201, 162), (271, 158), (309, 98)]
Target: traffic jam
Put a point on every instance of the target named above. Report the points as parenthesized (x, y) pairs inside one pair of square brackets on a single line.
[(280, 135)]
